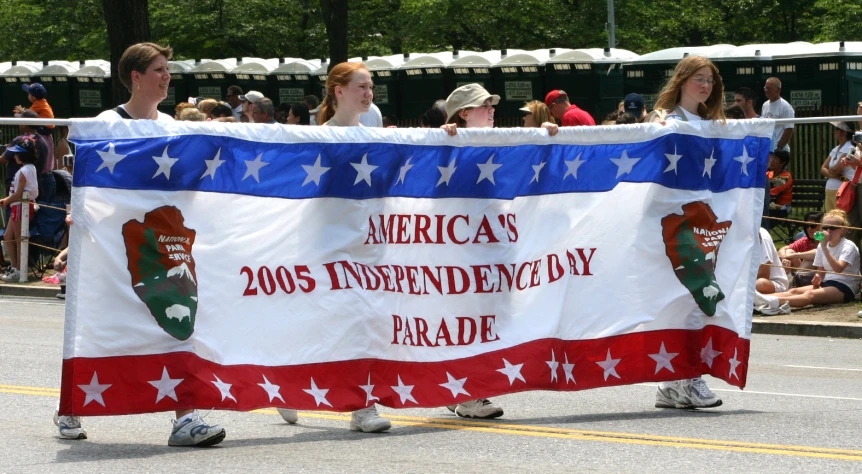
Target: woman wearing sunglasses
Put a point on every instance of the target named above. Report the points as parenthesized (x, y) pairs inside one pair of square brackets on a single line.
[(836, 255)]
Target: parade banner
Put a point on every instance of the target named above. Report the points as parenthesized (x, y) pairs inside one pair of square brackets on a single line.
[(241, 266)]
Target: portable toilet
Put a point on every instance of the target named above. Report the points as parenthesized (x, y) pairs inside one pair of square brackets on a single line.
[(91, 88), (647, 74), (519, 78), (178, 91), (14, 77), (825, 79), (251, 74), (592, 78), (209, 78), (750, 66), (471, 68), (421, 82), (55, 76), (386, 84), (318, 79), (291, 80)]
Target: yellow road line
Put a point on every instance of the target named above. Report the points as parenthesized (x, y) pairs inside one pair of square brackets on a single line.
[(551, 432)]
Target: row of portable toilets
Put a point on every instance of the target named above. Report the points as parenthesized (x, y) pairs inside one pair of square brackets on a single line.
[(816, 77)]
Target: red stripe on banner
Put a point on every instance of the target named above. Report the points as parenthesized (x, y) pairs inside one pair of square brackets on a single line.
[(182, 380)]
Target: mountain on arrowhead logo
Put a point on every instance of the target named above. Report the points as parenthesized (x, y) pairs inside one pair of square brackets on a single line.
[(692, 241), (159, 250)]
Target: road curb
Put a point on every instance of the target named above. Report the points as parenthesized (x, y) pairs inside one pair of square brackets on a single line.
[(802, 328), (29, 291)]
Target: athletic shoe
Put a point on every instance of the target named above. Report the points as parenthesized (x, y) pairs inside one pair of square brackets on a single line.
[(451, 408), (368, 421), (767, 302), (689, 393), (783, 309), (62, 296), (290, 416), (481, 408), (11, 276), (193, 431), (70, 426)]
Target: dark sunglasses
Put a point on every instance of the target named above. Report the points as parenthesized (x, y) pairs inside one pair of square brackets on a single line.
[(829, 227)]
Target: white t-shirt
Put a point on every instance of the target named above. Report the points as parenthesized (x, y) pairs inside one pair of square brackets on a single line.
[(833, 184), (769, 256), (372, 118), (32, 186), (780, 109), (237, 113), (110, 114), (846, 251)]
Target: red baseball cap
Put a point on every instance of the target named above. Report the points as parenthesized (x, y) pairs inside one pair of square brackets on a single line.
[(553, 96)]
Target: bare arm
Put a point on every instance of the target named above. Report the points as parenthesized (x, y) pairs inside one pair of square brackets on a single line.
[(785, 138)]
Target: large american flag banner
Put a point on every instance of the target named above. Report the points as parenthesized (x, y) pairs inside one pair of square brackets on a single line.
[(243, 266)]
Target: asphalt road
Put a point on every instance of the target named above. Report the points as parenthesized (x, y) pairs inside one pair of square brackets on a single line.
[(801, 412)]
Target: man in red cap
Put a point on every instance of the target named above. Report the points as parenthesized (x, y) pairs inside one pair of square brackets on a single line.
[(566, 113)]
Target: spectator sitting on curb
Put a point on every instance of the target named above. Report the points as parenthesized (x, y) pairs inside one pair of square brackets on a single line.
[(800, 254), (771, 277)]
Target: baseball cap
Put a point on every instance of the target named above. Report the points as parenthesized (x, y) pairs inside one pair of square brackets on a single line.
[(526, 110), (251, 96), (634, 103), (554, 95), (36, 90), (22, 144), (470, 95)]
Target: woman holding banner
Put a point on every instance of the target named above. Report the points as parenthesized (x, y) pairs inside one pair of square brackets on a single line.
[(143, 69), (694, 92)]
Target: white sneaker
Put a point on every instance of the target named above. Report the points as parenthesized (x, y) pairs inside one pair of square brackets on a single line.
[(783, 309), (451, 408), (11, 276), (689, 393), (70, 426), (290, 416), (193, 431), (368, 420), (481, 408), (765, 302)]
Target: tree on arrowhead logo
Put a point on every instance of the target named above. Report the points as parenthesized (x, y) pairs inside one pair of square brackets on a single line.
[(159, 250), (692, 241)]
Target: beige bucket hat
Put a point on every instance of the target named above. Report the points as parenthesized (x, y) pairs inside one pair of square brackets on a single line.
[(471, 95)]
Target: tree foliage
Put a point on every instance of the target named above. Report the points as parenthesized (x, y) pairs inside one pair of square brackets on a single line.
[(76, 29)]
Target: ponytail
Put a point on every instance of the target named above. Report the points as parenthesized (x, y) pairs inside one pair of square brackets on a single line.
[(327, 109)]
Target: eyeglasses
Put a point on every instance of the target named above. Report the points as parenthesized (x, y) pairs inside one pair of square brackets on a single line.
[(703, 80), (829, 227)]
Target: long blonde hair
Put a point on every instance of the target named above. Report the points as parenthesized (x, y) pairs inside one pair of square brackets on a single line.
[(339, 75), (671, 93), (540, 112)]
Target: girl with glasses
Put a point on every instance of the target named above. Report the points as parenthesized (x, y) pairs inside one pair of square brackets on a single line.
[(694, 92)]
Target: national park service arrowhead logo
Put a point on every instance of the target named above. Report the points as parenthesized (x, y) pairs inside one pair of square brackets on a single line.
[(159, 250), (692, 241)]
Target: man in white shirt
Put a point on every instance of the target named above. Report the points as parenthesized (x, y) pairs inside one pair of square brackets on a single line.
[(372, 118), (232, 98), (778, 108)]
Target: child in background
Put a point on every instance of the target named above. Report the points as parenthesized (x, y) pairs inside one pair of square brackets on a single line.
[(26, 179)]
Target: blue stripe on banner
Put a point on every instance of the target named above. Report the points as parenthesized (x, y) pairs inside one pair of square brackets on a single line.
[(374, 170)]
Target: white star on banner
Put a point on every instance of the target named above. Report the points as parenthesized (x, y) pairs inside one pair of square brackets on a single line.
[(674, 159), (110, 158), (165, 162), (272, 390), (734, 363), (573, 166), (610, 366), (744, 159), (404, 391), (368, 388), (446, 173), (567, 369), (252, 168), (708, 163), (456, 386), (212, 165), (536, 170), (512, 371), (624, 163), (486, 170), (319, 394), (94, 390), (314, 172), (223, 388), (553, 364), (663, 358), (166, 386), (363, 170), (402, 173), (708, 354)]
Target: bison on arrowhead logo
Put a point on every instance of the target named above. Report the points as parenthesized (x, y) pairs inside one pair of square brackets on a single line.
[(159, 250), (692, 241)]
